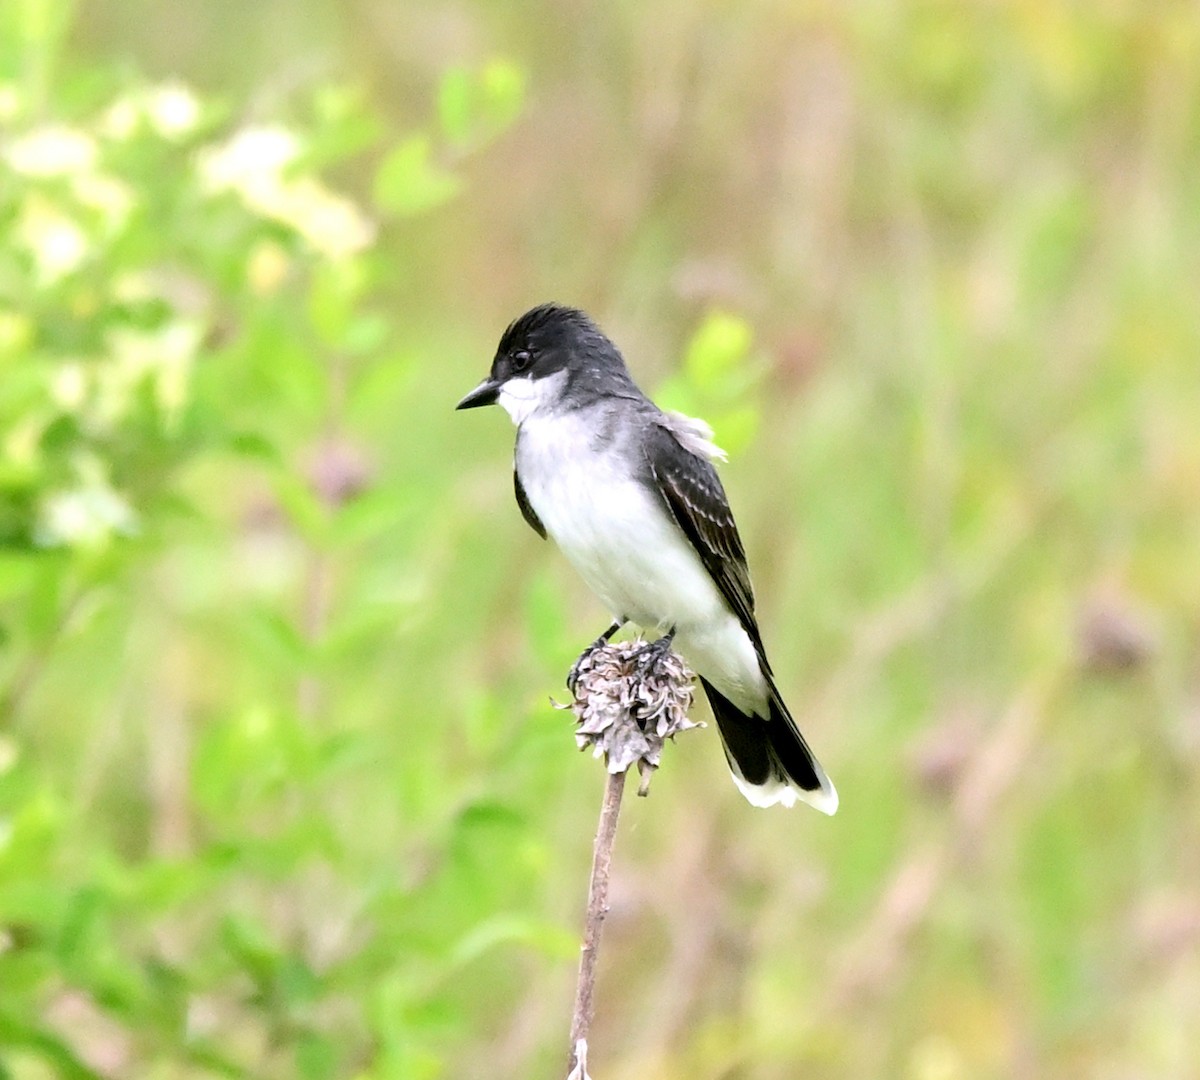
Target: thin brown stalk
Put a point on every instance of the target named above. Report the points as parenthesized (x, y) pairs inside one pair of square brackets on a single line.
[(597, 909)]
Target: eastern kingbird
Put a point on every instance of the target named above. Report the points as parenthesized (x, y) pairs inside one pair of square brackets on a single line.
[(630, 495)]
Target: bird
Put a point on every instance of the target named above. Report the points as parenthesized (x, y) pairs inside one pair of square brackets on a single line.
[(631, 496)]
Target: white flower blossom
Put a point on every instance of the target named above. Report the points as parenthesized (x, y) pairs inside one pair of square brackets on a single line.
[(53, 150), (253, 165), (56, 242), (163, 356), (172, 109), (87, 515), (120, 120), (267, 267), (69, 386), (133, 287), (253, 160), (332, 225), (113, 199)]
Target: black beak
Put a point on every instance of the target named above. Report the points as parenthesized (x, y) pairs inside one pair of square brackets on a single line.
[(485, 393)]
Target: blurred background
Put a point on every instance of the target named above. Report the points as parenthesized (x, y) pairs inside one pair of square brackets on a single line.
[(281, 791)]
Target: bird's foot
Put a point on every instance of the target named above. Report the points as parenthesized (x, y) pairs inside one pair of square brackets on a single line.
[(651, 655), (586, 655)]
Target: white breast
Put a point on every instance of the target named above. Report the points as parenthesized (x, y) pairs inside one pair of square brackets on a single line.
[(629, 551)]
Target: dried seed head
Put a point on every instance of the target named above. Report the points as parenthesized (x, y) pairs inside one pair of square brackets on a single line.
[(626, 710), (338, 472), (1113, 636)]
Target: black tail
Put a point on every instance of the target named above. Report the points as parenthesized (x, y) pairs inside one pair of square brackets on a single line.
[(770, 761)]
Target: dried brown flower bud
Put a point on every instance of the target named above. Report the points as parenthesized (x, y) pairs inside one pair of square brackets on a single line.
[(338, 471), (1113, 634), (627, 707)]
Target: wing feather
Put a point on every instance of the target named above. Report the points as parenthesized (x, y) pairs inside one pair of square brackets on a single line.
[(692, 491), (527, 510)]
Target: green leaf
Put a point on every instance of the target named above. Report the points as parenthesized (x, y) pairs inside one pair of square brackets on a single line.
[(316, 1056), (676, 394), (248, 944), (250, 444), (509, 929), (455, 105), (272, 636), (734, 429), (504, 92), (717, 348), (81, 932), (40, 1050), (366, 334), (409, 181), (28, 835), (344, 125), (297, 982), (333, 298), (475, 106)]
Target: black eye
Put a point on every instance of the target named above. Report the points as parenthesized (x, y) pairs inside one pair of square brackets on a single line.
[(521, 360)]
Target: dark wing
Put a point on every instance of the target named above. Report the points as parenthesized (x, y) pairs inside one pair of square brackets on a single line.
[(527, 511), (692, 491)]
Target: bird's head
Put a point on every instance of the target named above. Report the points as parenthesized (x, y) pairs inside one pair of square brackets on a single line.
[(551, 358)]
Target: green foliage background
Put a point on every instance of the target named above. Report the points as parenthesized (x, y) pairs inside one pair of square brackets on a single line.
[(281, 794)]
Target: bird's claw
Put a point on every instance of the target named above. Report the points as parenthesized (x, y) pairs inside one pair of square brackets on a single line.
[(584, 657), (651, 655)]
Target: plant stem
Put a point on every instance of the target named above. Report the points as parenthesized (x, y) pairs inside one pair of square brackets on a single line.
[(597, 908)]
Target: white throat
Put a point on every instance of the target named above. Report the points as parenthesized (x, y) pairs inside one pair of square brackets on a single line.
[(522, 397)]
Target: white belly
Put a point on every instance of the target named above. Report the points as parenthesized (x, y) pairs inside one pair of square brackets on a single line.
[(632, 554)]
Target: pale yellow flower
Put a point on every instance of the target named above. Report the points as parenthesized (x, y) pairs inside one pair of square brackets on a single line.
[(55, 241), (172, 109), (253, 165), (331, 224), (16, 331), (121, 119), (133, 287), (69, 386), (87, 515), (250, 163), (266, 267), (84, 303), (53, 150), (22, 442), (10, 103), (113, 199), (164, 356)]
